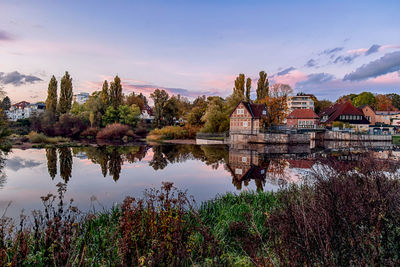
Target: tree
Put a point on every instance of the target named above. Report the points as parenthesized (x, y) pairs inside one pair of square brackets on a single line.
[(65, 102), (129, 115), (111, 116), (6, 103), (160, 98), (116, 96), (51, 101), (384, 102), (262, 86), (171, 109), (248, 88), (319, 105), (365, 98), (104, 95), (65, 156), (51, 155), (395, 100), (215, 119), (238, 90), (280, 90), (276, 103), (137, 100)]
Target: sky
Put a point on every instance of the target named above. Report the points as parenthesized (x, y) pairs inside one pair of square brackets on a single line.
[(328, 48)]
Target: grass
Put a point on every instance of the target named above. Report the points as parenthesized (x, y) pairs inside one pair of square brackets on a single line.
[(396, 139), (40, 138)]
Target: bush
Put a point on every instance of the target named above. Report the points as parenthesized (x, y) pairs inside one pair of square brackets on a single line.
[(69, 126), (36, 138), (115, 131), (90, 132), (174, 132)]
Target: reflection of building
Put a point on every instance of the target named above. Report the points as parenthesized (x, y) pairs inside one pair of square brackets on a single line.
[(300, 102), (246, 118), (81, 98)]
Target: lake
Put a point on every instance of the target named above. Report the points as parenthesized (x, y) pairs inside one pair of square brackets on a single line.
[(98, 177)]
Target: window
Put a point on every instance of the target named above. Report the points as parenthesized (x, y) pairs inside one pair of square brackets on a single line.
[(264, 112), (244, 159), (245, 124), (238, 171), (240, 111)]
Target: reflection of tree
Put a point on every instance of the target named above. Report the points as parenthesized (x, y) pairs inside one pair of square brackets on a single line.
[(65, 155), (158, 162), (51, 155), (2, 165), (115, 163)]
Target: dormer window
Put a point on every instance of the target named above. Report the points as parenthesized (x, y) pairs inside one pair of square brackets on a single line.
[(240, 111)]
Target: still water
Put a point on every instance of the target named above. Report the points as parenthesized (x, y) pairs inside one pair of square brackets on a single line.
[(98, 177)]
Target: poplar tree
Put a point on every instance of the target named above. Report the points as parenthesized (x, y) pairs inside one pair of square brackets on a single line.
[(248, 88), (238, 90), (262, 86), (51, 101), (65, 102), (116, 92), (105, 97)]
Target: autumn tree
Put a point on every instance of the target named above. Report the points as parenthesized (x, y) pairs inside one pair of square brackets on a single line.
[(6, 103), (215, 118), (160, 98), (51, 101), (384, 102), (116, 96), (65, 102), (262, 86), (171, 110), (248, 89), (319, 105), (276, 103), (395, 100), (137, 100)]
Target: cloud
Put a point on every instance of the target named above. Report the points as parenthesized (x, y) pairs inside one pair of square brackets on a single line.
[(373, 49), (388, 63), (18, 163), (5, 36), (16, 78), (315, 79), (311, 63), (332, 51), (285, 71), (346, 59)]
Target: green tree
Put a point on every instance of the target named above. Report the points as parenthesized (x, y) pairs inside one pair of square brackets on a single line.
[(262, 86), (215, 119), (171, 110), (51, 101), (248, 89), (65, 102), (105, 96), (6, 103), (395, 100), (365, 98), (319, 105), (129, 115), (95, 105), (111, 116), (160, 98), (238, 90), (116, 96), (65, 155)]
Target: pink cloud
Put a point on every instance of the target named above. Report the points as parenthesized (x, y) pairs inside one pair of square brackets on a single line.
[(290, 78)]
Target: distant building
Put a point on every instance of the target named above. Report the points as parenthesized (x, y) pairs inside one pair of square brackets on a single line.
[(300, 102), (24, 110), (246, 118), (302, 118), (380, 116), (369, 113), (147, 113), (346, 113), (81, 98), (385, 117)]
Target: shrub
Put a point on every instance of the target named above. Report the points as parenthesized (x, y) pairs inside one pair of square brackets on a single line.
[(115, 131), (35, 137), (69, 126), (174, 132), (90, 132)]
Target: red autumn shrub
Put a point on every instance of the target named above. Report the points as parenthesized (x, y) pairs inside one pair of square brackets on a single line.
[(115, 131), (90, 132)]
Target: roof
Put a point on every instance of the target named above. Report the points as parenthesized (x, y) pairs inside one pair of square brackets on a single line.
[(386, 112), (21, 104), (333, 112), (303, 114), (254, 109)]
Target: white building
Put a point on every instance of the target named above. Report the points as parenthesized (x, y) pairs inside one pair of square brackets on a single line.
[(147, 113), (81, 98), (24, 110), (300, 102)]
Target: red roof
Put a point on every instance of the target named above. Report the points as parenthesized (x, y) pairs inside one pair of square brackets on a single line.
[(256, 110), (333, 112), (303, 114)]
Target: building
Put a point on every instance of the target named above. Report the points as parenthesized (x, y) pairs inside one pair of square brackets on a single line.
[(247, 118), (344, 113), (369, 113), (147, 113), (81, 98), (24, 110), (380, 117), (300, 102), (302, 118)]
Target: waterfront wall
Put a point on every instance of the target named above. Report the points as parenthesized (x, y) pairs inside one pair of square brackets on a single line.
[(270, 138), (342, 136)]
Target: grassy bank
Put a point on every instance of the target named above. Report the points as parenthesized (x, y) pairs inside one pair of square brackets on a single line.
[(349, 214), (396, 139)]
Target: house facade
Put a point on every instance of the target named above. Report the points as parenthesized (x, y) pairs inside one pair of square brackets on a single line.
[(380, 117), (247, 118), (300, 102), (147, 113), (81, 98), (24, 110), (302, 118), (369, 113), (385, 117), (345, 113)]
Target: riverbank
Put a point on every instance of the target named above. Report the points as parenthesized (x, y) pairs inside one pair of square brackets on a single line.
[(341, 217)]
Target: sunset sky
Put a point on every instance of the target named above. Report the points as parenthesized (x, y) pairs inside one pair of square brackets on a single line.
[(199, 47)]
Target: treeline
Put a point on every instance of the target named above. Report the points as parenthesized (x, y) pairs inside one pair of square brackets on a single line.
[(387, 102)]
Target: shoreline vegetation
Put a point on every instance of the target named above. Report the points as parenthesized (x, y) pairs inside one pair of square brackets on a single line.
[(345, 213)]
